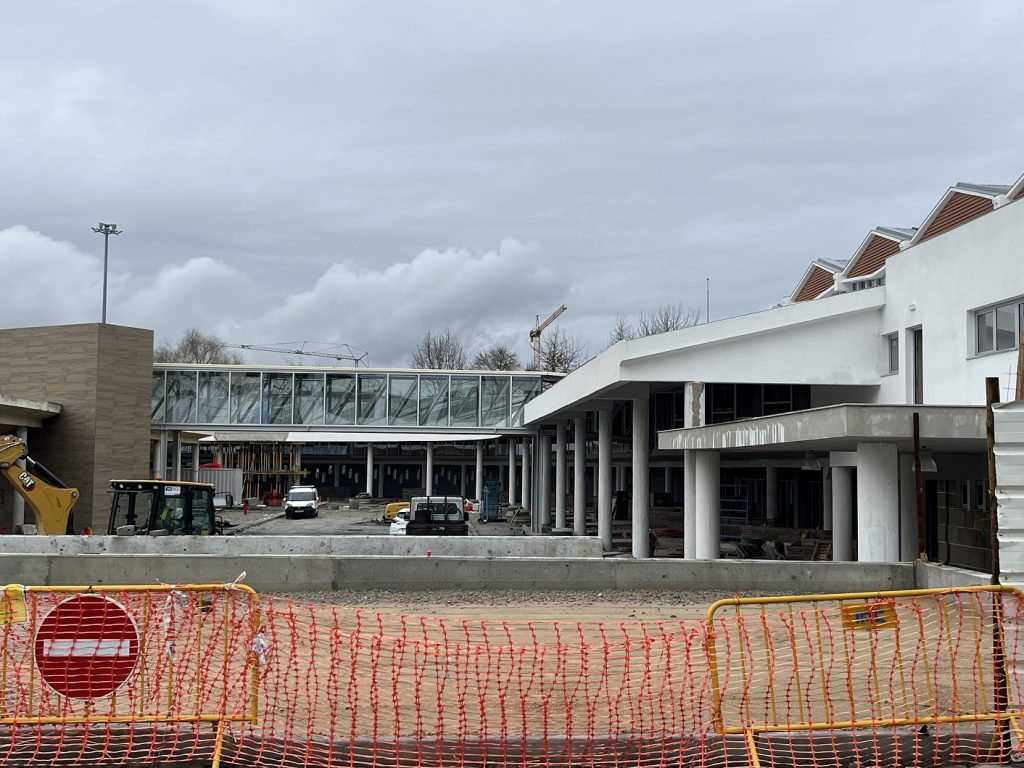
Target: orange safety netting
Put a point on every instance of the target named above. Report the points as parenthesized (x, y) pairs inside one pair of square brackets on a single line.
[(896, 679)]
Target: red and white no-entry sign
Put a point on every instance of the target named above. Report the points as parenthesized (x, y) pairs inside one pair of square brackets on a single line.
[(86, 647)]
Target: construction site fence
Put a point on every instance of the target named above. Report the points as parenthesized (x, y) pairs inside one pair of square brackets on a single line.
[(216, 673)]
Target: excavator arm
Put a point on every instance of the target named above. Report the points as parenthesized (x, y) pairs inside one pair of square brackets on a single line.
[(49, 499)]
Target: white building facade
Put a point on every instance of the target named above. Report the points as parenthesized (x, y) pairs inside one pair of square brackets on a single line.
[(801, 417)]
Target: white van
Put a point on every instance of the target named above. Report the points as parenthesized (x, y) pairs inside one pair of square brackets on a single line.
[(302, 501)]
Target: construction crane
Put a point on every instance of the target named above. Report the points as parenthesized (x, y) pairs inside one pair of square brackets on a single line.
[(355, 356), (537, 329)]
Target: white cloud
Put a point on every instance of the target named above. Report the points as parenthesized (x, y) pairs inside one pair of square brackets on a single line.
[(47, 281)]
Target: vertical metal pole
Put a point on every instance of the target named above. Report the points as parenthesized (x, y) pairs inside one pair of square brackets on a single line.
[(106, 240)]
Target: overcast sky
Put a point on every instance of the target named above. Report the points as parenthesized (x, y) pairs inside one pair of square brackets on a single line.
[(354, 172)]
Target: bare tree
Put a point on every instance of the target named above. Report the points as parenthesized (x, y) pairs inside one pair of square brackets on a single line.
[(623, 330), (442, 350), (560, 351), (195, 347), (497, 358), (667, 317)]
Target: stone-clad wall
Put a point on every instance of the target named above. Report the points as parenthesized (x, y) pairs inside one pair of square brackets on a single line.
[(100, 374)]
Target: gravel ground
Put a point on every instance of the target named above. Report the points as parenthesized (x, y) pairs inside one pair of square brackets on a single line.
[(525, 605)]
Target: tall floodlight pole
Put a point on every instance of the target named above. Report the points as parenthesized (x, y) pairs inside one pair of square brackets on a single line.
[(106, 230)]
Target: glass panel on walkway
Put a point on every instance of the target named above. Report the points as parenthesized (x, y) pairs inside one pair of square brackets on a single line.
[(373, 403), (341, 398), (245, 398), (309, 398), (181, 397), (494, 401), (465, 401), (402, 401), (158, 400), (213, 397), (277, 398), (433, 401)]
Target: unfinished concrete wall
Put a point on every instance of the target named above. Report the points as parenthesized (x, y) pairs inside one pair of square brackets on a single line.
[(100, 374)]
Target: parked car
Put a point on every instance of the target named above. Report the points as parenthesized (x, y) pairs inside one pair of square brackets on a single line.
[(437, 516), (302, 501), (399, 523)]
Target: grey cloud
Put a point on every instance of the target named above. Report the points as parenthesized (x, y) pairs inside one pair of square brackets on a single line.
[(246, 148)]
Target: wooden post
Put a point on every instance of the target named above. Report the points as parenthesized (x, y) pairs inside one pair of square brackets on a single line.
[(999, 681), (919, 490), (991, 398)]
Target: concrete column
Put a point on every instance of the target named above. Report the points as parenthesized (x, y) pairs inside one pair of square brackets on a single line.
[(18, 503), (842, 513), (604, 478), (709, 514), (560, 476), (579, 477), (428, 477), (641, 477), (689, 505), (369, 469), (542, 475), (909, 546), (296, 463), (878, 503), (620, 477), (693, 404), (160, 470), (525, 478), (512, 471), (826, 499), (462, 480), (479, 471), (380, 481), (772, 494), (176, 457)]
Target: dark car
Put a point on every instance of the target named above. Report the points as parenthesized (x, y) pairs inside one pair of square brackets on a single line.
[(437, 516)]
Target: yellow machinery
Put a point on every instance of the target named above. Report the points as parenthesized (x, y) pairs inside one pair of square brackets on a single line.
[(49, 499), (391, 510)]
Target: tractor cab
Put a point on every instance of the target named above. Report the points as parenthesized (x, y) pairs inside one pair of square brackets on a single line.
[(179, 508)]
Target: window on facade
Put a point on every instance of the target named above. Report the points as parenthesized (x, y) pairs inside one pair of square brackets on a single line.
[(893, 342), (997, 328)]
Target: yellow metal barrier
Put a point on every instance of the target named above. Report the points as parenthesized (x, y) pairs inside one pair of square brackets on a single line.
[(812, 663), (130, 655)]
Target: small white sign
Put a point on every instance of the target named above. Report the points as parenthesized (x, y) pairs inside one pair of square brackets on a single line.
[(172, 490)]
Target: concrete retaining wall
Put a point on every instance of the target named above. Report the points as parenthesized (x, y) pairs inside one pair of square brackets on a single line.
[(934, 576), (335, 546), (279, 573)]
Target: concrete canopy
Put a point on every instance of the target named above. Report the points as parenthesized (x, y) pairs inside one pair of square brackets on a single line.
[(22, 412), (349, 437), (948, 429), (789, 344)]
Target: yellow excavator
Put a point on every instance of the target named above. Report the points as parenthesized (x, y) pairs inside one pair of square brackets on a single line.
[(49, 499)]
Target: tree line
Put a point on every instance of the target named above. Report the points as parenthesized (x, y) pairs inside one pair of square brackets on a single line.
[(560, 351)]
